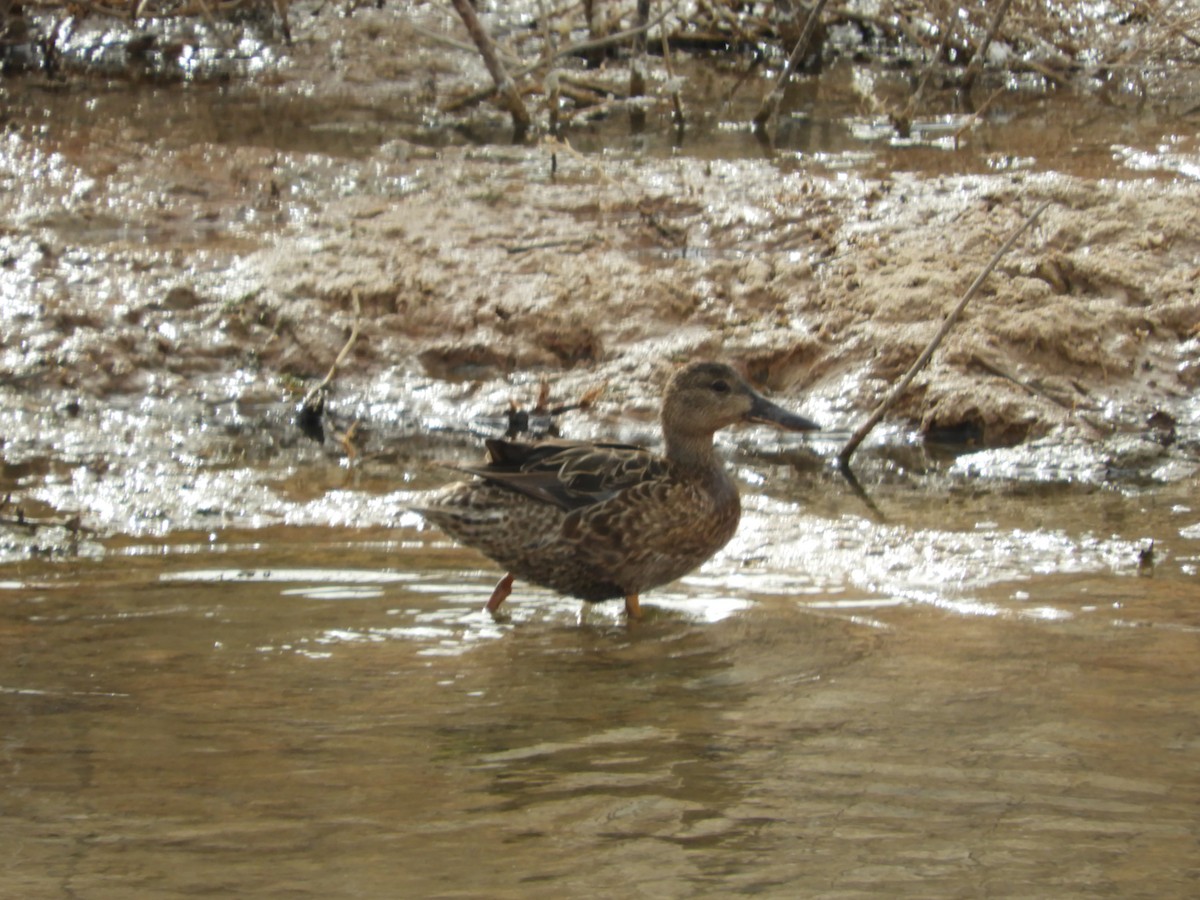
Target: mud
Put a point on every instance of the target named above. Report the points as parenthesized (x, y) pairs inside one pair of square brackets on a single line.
[(181, 264)]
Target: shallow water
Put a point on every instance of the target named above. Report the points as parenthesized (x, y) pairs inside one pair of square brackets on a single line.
[(834, 124), (321, 712)]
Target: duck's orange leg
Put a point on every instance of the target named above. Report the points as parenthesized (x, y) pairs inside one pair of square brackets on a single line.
[(633, 607), (503, 589)]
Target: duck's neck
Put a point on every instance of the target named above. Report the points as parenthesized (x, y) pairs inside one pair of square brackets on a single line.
[(690, 450)]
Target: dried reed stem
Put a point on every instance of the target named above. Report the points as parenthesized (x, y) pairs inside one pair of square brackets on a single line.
[(902, 385)]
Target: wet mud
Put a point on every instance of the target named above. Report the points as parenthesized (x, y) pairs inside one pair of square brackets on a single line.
[(182, 263)]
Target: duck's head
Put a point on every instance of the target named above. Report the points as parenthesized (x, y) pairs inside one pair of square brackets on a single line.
[(704, 397)]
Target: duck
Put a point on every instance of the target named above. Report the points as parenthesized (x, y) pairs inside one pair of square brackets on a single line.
[(609, 521)]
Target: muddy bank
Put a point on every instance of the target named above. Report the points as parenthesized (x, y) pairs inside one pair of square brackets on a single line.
[(170, 292), (820, 288), (186, 269)]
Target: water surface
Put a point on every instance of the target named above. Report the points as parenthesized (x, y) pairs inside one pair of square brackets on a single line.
[(322, 712)]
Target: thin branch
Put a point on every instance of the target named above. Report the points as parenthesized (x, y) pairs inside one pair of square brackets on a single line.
[(902, 121), (504, 83), (619, 37), (637, 68), (770, 102), (573, 50), (902, 385), (672, 82), (976, 64), (212, 24), (311, 397), (976, 117)]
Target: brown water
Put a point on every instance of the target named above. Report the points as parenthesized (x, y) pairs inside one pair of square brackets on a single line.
[(321, 712), (835, 124)]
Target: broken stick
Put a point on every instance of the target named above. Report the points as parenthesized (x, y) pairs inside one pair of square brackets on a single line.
[(902, 385), (503, 81), (312, 407)]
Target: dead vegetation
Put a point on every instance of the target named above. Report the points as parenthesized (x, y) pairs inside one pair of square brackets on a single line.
[(543, 53), (1124, 45)]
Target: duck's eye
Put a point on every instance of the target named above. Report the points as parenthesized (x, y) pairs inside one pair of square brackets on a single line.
[(721, 387)]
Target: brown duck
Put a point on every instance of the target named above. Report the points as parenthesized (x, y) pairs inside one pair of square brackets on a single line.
[(602, 521)]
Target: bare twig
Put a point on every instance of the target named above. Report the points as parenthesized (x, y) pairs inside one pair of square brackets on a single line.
[(451, 41), (770, 102), (1028, 387), (637, 68), (311, 397), (902, 385), (620, 37), (611, 40), (672, 83), (902, 121), (281, 10), (975, 117), (212, 24), (976, 64), (504, 83)]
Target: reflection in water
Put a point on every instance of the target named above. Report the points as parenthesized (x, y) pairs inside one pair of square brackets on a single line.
[(298, 720)]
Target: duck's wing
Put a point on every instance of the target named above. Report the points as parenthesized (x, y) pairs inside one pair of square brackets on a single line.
[(567, 474)]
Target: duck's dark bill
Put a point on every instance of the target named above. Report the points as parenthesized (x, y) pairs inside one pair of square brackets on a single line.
[(767, 413)]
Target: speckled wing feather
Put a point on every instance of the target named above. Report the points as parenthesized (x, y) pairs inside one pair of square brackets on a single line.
[(567, 474)]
